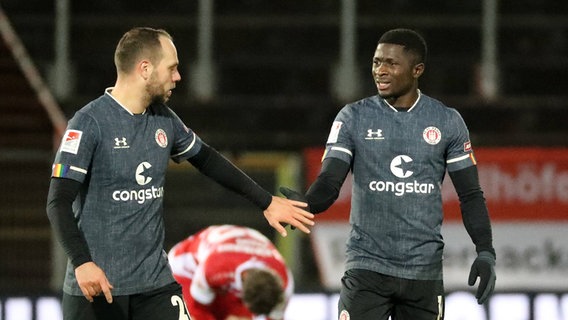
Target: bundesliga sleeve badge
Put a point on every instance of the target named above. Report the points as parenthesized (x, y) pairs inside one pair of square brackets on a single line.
[(334, 132), (71, 141)]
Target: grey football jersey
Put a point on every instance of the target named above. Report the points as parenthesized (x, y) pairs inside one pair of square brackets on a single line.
[(398, 162), (121, 159)]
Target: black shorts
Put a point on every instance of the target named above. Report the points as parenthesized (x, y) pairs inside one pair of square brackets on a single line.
[(368, 295), (165, 303)]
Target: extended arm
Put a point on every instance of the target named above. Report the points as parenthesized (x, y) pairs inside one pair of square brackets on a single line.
[(325, 189), (211, 163)]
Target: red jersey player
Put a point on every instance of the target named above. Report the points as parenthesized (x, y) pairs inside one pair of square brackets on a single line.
[(231, 272)]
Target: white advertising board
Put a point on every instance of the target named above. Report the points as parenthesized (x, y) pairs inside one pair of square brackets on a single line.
[(530, 256)]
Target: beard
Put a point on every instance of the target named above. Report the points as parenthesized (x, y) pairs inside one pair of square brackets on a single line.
[(158, 99), (155, 91)]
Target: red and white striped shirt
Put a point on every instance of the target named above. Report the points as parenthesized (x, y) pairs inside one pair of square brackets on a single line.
[(209, 266)]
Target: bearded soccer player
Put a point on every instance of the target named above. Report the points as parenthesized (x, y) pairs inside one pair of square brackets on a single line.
[(105, 198), (398, 145), (231, 272)]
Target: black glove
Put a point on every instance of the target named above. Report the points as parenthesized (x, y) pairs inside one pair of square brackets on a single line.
[(484, 268), (294, 195)]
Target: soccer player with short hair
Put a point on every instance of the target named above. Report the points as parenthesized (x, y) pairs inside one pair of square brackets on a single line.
[(105, 198), (398, 145)]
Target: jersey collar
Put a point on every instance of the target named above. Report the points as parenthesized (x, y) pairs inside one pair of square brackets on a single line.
[(409, 109), (108, 91)]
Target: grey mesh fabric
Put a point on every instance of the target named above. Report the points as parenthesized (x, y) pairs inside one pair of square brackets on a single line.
[(398, 161), (121, 158)]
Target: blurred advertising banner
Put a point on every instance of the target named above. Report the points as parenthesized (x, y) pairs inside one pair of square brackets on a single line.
[(527, 194), (519, 184), (459, 305)]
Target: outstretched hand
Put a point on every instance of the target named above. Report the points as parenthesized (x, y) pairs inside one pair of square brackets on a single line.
[(484, 268), (294, 195), (290, 212)]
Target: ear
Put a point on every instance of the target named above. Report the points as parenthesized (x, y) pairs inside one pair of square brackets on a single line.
[(418, 70), (244, 275), (144, 69)]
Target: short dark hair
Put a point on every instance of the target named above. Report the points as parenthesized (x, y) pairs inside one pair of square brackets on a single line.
[(137, 42), (411, 41), (262, 291)]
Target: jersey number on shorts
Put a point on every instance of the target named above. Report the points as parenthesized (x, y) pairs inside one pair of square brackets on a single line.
[(178, 301)]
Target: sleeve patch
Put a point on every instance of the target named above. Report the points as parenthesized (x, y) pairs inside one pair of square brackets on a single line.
[(334, 133), (71, 141), (60, 170)]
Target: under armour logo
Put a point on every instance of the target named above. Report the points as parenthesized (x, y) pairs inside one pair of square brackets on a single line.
[(374, 135), (120, 143)]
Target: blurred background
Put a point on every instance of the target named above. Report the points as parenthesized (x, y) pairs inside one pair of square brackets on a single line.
[(261, 82)]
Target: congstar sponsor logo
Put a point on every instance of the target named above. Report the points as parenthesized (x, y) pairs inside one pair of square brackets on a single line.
[(400, 167), (140, 195)]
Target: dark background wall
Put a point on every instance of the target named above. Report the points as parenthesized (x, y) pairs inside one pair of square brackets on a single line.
[(274, 61)]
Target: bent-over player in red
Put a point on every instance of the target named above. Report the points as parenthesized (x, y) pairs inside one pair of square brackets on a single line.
[(231, 272)]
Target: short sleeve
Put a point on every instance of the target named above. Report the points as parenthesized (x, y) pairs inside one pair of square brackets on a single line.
[(340, 143), (459, 152), (186, 142), (76, 149)]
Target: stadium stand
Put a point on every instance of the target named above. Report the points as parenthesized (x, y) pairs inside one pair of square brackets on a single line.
[(25, 153), (273, 61)]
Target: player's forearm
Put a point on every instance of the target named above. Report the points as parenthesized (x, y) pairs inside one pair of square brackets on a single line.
[(325, 189), (62, 193), (211, 163), (473, 207), (477, 223)]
